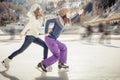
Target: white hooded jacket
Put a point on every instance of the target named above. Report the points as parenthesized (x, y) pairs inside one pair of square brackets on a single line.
[(34, 25)]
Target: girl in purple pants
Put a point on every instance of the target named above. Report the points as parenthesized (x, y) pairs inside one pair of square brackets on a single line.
[(58, 49)]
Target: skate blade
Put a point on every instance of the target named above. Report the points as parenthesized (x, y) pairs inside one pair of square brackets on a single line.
[(39, 69), (62, 69), (49, 69)]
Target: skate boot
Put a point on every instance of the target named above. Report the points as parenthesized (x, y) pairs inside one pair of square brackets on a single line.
[(6, 62), (62, 66), (41, 67)]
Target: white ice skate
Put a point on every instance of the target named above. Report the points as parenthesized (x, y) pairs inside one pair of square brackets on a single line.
[(6, 63)]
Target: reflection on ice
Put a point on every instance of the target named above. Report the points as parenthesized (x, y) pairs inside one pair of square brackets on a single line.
[(62, 75)]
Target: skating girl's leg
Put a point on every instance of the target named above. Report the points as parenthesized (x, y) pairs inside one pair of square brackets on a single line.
[(63, 52), (53, 46), (27, 42), (43, 44), (63, 55), (59, 52)]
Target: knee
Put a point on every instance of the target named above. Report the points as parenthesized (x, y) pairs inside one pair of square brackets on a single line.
[(20, 50), (64, 48), (57, 56), (45, 47)]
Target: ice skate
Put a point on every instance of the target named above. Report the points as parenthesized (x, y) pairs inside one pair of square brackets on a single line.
[(41, 67), (6, 63), (63, 67), (49, 69)]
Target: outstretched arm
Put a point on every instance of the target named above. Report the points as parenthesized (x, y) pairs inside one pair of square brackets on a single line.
[(77, 16)]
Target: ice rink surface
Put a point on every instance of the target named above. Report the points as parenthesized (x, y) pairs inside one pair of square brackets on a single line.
[(87, 61)]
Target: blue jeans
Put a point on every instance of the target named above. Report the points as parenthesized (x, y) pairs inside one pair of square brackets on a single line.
[(26, 44)]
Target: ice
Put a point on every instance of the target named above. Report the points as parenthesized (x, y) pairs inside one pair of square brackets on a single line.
[(87, 61)]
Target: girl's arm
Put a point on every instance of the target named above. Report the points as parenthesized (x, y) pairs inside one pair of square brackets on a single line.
[(77, 16), (28, 24), (47, 25), (27, 27)]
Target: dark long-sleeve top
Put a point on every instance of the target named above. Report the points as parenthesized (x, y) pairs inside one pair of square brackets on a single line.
[(57, 28)]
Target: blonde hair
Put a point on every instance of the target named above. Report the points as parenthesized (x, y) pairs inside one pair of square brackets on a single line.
[(63, 11), (38, 13), (66, 20)]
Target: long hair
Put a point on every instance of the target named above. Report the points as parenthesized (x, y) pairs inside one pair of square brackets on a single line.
[(66, 20), (38, 13)]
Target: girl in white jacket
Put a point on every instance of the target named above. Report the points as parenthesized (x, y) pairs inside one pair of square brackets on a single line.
[(32, 30)]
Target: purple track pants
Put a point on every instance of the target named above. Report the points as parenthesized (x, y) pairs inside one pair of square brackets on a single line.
[(58, 49)]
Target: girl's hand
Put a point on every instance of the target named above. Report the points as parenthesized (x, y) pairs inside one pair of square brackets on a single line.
[(80, 11), (47, 34), (21, 35), (50, 30)]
